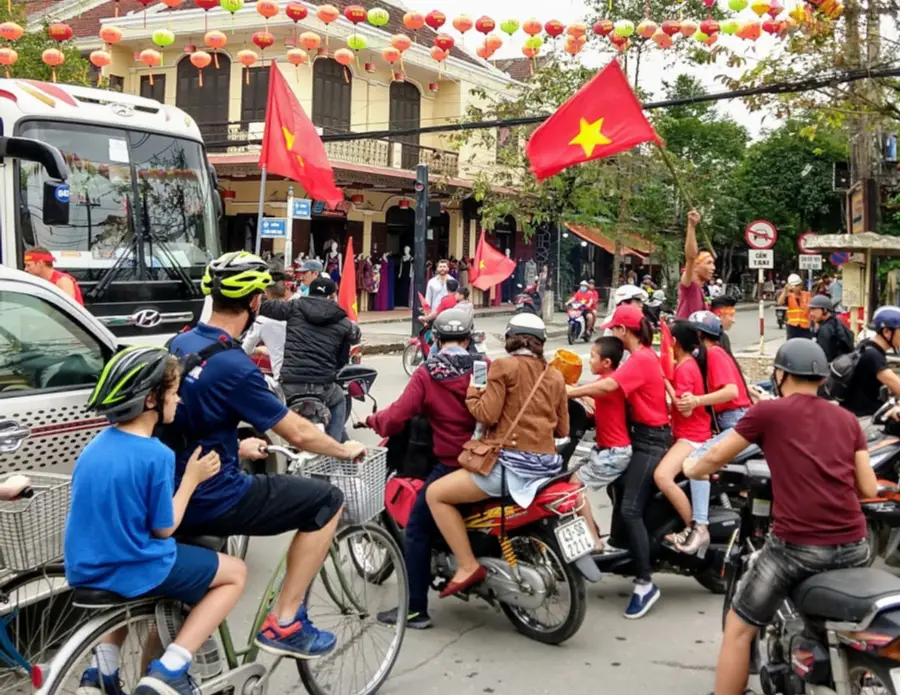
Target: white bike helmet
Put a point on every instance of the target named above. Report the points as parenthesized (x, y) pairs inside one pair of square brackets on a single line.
[(627, 293)]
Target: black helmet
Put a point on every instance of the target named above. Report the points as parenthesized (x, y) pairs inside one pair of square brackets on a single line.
[(453, 324), (822, 301), (802, 357), (126, 381)]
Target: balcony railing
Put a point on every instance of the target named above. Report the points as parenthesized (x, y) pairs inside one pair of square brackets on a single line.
[(242, 138)]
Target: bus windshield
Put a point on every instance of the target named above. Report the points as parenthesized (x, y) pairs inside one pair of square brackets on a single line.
[(141, 204)]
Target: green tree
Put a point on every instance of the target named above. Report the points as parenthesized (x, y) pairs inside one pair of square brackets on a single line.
[(75, 69)]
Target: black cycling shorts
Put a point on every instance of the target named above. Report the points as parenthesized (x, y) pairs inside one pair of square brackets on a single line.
[(274, 505)]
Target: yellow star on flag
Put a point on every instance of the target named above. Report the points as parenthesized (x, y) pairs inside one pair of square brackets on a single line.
[(590, 136), (482, 265), (289, 138)]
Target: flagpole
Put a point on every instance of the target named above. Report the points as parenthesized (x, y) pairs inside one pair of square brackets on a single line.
[(261, 209), (684, 193)]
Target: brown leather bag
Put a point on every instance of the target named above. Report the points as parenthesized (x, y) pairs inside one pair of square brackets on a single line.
[(479, 456)]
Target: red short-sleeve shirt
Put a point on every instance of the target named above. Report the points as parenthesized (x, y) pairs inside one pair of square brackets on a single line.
[(698, 426), (722, 371), (611, 420), (642, 382)]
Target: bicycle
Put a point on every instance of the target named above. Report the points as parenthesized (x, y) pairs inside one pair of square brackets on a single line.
[(333, 604), (37, 614)]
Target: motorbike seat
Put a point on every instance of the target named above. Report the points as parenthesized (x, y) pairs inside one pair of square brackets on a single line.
[(216, 543), (844, 595), (751, 452), (98, 598)]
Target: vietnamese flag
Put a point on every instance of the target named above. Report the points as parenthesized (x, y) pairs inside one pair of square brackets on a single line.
[(491, 266), (602, 119), (667, 351), (346, 295), (291, 146)]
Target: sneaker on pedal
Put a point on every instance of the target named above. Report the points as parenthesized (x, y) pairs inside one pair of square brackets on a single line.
[(160, 681), (94, 683), (696, 540), (417, 620), (640, 604), (300, 640)]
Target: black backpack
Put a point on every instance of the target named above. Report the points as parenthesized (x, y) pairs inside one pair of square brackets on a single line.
[(841, 373)]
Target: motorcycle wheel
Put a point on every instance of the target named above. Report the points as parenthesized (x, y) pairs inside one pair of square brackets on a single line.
[(538, 546), (877, 539), (572, 333), (412, 359), (867, 672), (712, 580)]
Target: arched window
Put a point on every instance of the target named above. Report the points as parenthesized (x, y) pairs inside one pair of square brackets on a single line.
[(331, 90), (405, 112), (208, 104)]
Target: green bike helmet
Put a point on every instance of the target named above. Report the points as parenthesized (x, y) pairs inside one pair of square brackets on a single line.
[(126, 381), (235, 275)]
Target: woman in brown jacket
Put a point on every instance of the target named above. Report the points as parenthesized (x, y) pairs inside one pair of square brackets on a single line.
[(528, 458)]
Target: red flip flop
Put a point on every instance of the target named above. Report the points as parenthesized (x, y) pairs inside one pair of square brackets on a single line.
[(458, 587)]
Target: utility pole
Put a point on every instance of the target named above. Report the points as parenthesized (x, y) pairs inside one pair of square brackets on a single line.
[(419, 243)]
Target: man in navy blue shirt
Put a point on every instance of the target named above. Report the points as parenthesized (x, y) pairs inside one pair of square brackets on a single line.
[(216, 396)]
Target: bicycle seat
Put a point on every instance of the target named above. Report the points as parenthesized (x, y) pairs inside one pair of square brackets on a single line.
[(98, 598), (215, 543)]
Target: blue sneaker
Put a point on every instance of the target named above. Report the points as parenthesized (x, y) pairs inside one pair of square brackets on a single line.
[(640, 605), (93, 683), (301, 640), (159, 681)]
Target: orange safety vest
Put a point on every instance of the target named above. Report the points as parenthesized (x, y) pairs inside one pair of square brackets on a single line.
[(798, 313)]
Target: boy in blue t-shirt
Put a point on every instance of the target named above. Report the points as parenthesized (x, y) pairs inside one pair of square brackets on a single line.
[(119, 534)]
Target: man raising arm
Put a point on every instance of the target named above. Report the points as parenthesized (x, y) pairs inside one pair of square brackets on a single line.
[(698, 270)]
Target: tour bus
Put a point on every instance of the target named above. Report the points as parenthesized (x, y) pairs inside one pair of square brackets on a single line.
[(143, 202)]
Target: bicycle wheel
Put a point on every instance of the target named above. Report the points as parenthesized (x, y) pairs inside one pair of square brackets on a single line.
[(412, 358), (140, 646), (344, 602), (36, 618)]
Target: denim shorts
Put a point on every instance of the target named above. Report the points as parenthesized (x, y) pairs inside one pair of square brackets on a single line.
[(604, 466), (727, 420), (775, 570), (191, 574)]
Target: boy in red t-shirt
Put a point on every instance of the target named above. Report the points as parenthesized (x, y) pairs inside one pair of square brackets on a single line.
[(612, 453), (819, 474)]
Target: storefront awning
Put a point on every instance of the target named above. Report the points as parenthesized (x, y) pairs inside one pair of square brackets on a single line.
[(637, 246)]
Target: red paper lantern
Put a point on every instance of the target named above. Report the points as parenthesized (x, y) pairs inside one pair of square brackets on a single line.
[(619, 42), (247, 58), (391, 54), (296, 11), (263, 39), (11, 31), (401, 42), (413, 21), (444, 41), (151, 58), (670, 27), (573, 45), (8, 57), (532, 27), (172, 4), (344, 56), (484, 51), (206, 4), (770, 26), (603, 27), (530, 51), (327, 13), (54, 58), (439, 53), (485, 25), (100, 59), (435, 19), (201, 60), (297, 57), (554, 28), (403, 204), (494, 42), (577, 30), (462, 23), (355, 13), (267, 8), (111, 35), (709, 27), (60, 32), (309, 40)]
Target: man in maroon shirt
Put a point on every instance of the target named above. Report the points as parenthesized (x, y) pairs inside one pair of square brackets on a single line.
[(819, 474), (699, 268)]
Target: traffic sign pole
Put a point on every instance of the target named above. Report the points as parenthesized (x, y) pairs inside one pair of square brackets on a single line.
[(288, 243), (761, 313)]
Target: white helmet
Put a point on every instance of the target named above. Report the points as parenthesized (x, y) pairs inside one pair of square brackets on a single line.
[(526, 323), (626, 293), (794, 279)]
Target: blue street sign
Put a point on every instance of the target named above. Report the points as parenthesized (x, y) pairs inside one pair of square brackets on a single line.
[(302, 209), (318, 207), (273, 228), (839, 258)]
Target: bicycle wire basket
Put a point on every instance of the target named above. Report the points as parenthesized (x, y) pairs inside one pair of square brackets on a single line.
[(362, 483), (31, 529)]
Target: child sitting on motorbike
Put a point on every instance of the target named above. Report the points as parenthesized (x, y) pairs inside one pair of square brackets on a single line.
[(612, 453), (588, 298), (449, 301), (819, 474), (436, 390), (527, 461), (691, 428)]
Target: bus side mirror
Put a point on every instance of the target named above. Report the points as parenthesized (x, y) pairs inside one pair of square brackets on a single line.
[(55, 208)]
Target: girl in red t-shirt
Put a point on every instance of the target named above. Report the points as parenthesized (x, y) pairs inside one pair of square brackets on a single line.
[(642, 382), (690, 428)]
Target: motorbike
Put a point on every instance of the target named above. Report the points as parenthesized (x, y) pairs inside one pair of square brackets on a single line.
[(883, 512), (838, 632), (417, 349), (528, 300), (661, 519), (781, 316), (356, 382), (576, 323)]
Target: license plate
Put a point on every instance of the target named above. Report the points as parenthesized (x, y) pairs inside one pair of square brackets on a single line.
[(896, 679), (481, 349), (574, 539)]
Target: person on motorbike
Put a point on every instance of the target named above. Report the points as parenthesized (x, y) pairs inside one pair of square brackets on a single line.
[(449, 301), (217, 395), (311, 268), (463, 302), (436, 390), (527, 461), (691, 429), (872, 371), (832, 335), (268, 331), (626, 294), (725, 308), (642, 382), (319, 339), (727, 394), (819, 475), (611, 456), (589, 301)]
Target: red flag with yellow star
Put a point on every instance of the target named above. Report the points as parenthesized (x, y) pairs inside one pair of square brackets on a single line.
[(491, 267), (291, 146), (600, 120)]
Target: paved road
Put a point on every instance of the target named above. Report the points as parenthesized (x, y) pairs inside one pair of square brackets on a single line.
[(474, 650)]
